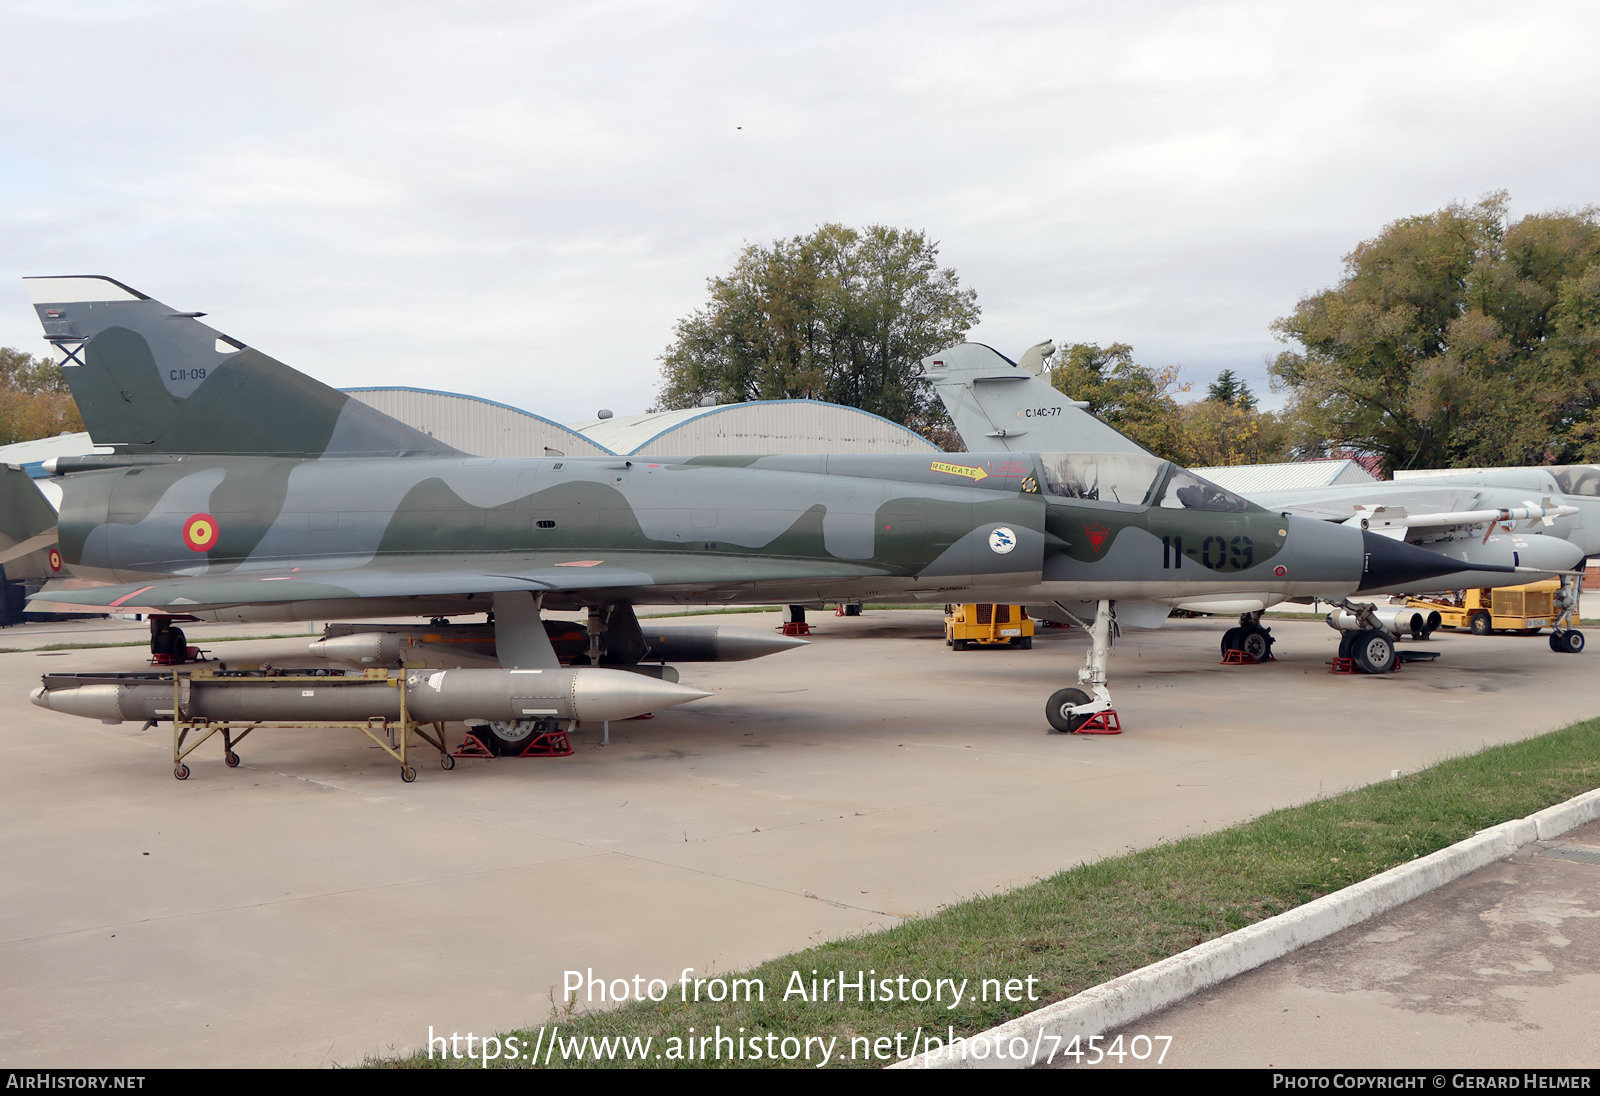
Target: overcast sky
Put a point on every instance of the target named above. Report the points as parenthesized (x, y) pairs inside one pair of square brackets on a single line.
[(517, 200)]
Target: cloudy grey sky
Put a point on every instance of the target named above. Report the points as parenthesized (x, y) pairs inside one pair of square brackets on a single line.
[(517, 200)]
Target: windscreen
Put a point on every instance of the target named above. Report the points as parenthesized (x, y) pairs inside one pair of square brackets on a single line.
[(1134, 479), (1578, 479)]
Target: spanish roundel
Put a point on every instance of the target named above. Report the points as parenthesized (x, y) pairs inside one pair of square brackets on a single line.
[(200, 532), (55, 560)]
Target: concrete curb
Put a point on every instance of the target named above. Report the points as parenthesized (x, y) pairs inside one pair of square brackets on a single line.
[(1139, 993)]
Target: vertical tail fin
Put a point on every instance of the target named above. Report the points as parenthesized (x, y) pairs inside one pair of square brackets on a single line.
[(149, 379), (997, 404)]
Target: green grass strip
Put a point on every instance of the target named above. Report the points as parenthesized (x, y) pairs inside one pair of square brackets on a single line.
[(1096, 921)]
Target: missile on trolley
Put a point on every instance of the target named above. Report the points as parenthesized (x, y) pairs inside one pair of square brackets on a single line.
[(594, 694)]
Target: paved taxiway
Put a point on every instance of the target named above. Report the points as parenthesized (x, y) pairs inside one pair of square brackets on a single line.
[(308, 908)]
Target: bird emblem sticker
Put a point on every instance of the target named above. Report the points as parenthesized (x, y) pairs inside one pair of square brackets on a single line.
[(1002, 540)]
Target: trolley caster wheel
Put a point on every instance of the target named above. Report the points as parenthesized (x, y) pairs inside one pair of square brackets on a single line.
[(232, 759), (408, 774), (446, 762), (180, 772), (1060, 719)]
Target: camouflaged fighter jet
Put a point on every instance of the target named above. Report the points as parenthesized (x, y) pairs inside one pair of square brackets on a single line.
[(1471, 517), (240, 489)]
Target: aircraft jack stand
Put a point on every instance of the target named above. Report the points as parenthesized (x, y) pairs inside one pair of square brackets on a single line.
[(1105, 722), (1244, 658)]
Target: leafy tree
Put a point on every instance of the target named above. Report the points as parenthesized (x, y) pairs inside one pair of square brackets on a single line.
[(1228, 388), (839, 315), (1218, 432), (1455, 338), (34, 399), (1135, 399)]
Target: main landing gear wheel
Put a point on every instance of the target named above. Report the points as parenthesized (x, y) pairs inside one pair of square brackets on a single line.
[(1257, 644), (1569, 642), (508, 738), (1252, 639), (1345, 641), (1056, 710), (1373, 651)]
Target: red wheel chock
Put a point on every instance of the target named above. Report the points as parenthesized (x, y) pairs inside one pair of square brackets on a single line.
[(796, 628), (472, 746), (1348, 666), (549, 744), (1105, 722), (1244, 658)]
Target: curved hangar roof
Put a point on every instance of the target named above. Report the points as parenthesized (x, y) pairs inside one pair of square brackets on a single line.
[(488, 429), (477, 426), (757, 427)]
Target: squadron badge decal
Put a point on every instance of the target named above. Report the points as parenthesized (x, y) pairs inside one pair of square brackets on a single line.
[(1002, 540)]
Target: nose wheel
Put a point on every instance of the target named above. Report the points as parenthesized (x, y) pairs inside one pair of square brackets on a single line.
[(1059, 710), (1087, 709), (1569, 642)]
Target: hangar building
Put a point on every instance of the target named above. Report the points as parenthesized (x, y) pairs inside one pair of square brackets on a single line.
[(760, 426), (478, 426), (488, 429)]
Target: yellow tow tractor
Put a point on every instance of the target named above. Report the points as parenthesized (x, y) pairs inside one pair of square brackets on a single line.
[(1524, 609), (987, 626)]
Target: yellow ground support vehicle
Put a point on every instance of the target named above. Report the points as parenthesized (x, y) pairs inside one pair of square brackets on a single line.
[(987, 625), (1523, 609)]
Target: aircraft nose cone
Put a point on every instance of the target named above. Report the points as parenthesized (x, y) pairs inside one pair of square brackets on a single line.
[(1387, 563)]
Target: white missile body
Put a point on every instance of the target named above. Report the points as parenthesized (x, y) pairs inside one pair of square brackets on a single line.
[(584, 693)]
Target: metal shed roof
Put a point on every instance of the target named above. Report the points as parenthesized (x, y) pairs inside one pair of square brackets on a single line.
[(1247, 478)]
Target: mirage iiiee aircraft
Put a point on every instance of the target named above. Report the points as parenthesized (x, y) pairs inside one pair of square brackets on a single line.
[(1470, 517), (240, 489)]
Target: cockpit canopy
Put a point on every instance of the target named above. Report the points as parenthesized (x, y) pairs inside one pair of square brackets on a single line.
[(1578, 479), (1135, 479)]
